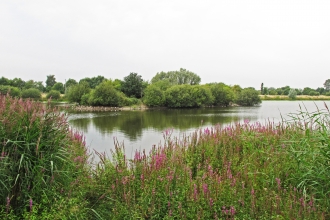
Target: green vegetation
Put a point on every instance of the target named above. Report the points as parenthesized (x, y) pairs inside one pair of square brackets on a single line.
[(53, 94), (31, 93), (242, 171), (41, 162), (134, 90)]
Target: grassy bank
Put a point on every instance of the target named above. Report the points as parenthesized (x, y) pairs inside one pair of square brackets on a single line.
[(298, 97), (241, 171)]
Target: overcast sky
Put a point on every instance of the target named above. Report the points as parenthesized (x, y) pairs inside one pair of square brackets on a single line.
[(277, 42)]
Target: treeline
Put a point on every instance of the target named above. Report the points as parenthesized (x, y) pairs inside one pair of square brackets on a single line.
[(176, 89), (287, 89)]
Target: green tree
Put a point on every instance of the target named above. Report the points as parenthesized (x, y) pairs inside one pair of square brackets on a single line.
[(58, 87), (18, 82), (4, 81), (326, 84), (307, 91), (132, 85), (292, 94), (76, 92), (248, 97), (50, 81), (94, 81), (70, 82), (180, 77)]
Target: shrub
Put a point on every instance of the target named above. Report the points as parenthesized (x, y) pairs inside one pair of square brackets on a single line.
[(248, 97), (106, 95), (154, 96), (31, 93), (12, 91), (76, 92), (53, 94), (41, 159)]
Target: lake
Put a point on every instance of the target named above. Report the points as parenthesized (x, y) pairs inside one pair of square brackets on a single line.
[(140, 130)]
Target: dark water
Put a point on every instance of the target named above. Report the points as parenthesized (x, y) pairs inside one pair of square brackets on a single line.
[(143, 129)]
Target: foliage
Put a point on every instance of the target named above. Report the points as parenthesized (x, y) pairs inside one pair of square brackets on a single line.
[(248, 97), (70, 82), (326, 85), (183, 96), (307, 91), (50, 81), (31, 93), (12, 91), (58, 87), (39, 163), (76, 92), (292, 94), (180, 77), (223, 94), (94, 81), (53, 94), (154, 96), (132, 86), (314, 93), (106, 95)]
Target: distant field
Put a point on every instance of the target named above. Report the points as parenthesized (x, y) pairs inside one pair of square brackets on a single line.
[(299, 97)]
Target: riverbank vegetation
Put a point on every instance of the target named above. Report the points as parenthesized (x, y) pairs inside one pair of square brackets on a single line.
[(240, 171), (174, 89)]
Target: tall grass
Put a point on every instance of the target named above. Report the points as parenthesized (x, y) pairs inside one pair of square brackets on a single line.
[(40, 157)]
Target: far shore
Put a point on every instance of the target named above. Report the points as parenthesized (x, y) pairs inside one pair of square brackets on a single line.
[(298, 98)]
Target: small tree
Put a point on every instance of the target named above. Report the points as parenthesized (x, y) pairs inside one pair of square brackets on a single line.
[(132, 85), (58, 87), (292, 94), (326, 84)]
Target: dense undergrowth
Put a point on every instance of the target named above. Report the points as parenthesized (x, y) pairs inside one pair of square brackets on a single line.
[(240, 171)]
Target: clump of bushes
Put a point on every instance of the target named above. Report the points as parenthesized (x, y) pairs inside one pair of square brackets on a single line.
[(12, 91), (31, 93)]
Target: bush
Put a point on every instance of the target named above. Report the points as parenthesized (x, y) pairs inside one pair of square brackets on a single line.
[(248, 97), (41, 159), (76, 92), (106, 95), (154, 96), (12, 91), (31, 93), (53, 94)]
